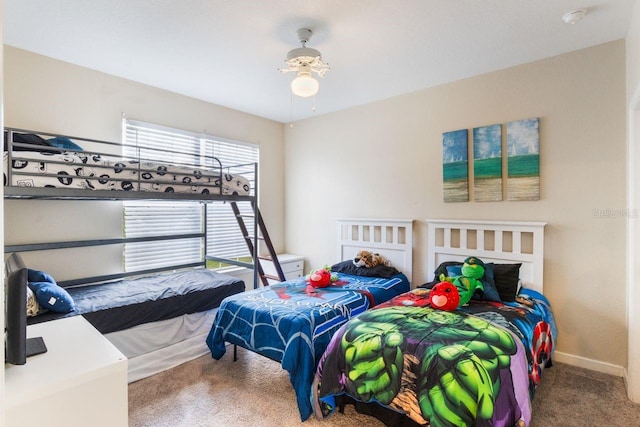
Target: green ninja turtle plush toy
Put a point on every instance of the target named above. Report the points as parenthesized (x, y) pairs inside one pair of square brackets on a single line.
[(469, 282)]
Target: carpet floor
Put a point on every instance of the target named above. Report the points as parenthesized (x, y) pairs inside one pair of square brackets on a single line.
[(255, 391)]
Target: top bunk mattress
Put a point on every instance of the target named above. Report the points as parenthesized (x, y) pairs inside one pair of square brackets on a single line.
[(122, 304), (88, 171)]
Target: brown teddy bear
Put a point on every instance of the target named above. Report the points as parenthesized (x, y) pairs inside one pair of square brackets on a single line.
[(369, 259)]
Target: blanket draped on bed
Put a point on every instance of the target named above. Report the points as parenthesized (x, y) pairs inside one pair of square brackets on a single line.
[(478, 365), (292, 322)]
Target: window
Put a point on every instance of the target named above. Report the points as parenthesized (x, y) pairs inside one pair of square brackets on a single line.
[(143, 218)]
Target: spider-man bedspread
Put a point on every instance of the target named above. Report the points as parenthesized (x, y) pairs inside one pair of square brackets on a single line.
[(292, 322), (478, 365)]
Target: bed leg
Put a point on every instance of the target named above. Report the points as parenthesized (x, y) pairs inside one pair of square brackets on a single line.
[(235, 353), (315, 403)]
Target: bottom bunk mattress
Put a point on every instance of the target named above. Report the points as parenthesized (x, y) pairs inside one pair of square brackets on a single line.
[(292, 322), (122, 304), (478, 365)]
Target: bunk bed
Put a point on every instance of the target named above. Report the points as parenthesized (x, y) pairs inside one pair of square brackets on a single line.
[(157, 317), (292, 322), (410, 364)]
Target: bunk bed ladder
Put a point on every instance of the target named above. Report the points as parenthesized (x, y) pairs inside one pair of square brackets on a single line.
[(263, 235)]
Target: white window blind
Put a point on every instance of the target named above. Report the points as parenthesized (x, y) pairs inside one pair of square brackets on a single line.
[(154, 218), (166, 218), (224, 239)]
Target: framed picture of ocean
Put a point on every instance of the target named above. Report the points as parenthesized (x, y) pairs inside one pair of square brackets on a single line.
[(487, 163), (523, 160), (455, 165)]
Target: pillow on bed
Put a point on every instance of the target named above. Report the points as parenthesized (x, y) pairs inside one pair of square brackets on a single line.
[(39, 276), (37, 142), (347, 267), (506, 278), (488, 283), (64, 142), (48, 294), (442, 269), (454, 270), (52, 297)]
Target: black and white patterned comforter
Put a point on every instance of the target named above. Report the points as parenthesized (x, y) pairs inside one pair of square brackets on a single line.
[(81, 170)]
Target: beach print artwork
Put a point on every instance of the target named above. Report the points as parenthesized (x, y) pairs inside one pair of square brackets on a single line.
[(523, 160), (487, 163), (455, 166)]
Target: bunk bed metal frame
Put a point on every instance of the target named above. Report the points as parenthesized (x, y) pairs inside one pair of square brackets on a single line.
[(38, 193)]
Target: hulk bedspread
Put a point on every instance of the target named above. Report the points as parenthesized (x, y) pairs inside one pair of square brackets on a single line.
[(292, 322), (478, 365)]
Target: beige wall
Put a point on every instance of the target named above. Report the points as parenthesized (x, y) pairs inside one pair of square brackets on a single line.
[(48, 95), (383, 160)]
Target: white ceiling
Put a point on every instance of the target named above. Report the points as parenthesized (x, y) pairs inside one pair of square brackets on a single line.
[(228, 51)]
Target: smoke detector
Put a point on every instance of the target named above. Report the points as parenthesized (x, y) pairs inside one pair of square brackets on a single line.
[(574, 16)]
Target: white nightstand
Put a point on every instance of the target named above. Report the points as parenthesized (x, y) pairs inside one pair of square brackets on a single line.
[(81, 380), (292, 266)]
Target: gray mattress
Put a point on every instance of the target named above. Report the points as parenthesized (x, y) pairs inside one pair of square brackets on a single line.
[(119, 305)]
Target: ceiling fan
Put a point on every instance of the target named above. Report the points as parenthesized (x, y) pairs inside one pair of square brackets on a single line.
[(305, 61)]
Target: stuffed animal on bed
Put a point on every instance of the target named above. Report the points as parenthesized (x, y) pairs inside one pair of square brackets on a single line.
[(369, 259), (321, 278), (469, 281), (444, 296)]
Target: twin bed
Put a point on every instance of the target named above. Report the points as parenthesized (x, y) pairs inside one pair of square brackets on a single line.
[(292, 322), (410, 364)]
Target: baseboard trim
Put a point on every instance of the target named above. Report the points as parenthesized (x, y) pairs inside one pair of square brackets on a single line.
[(593, 365)]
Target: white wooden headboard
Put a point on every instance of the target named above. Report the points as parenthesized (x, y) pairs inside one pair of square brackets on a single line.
[(492, 241), (391, 238)]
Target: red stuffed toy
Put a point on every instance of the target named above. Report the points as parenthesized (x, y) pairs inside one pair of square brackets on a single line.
[(320, 278), (444, 296)]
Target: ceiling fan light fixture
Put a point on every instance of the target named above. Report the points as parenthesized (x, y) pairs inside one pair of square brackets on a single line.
[(305, 61)]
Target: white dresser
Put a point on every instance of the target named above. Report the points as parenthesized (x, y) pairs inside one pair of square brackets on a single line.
[(292, 266), (80, 381)]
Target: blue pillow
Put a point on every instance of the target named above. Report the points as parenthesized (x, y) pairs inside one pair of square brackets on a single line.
[(52, 297), (66, 143), (489, 285), (39, 276), (454, 270)]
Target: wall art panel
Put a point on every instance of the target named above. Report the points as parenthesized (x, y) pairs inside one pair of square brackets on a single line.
[(455, 165), (487, 163)]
